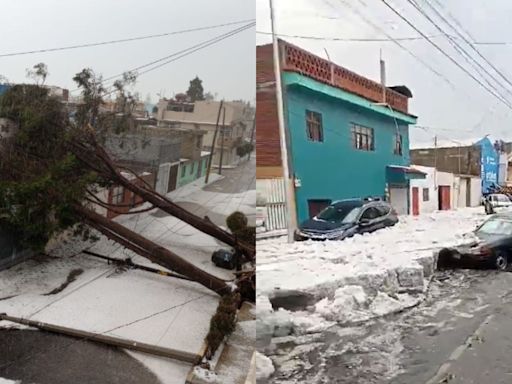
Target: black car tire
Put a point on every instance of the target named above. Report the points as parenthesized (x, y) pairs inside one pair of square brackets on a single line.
[(501, 262)]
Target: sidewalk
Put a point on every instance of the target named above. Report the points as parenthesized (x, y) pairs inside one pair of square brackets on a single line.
[(236, 362)]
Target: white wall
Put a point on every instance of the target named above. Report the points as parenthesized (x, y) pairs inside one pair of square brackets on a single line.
[(503, 169), (432, 204), (476, 191)]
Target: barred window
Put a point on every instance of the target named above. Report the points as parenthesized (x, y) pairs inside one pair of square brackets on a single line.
[(398, 145), (314, 128), (362, 138)]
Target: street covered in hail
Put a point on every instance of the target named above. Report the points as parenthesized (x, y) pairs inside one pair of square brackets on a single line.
[(345, 309)]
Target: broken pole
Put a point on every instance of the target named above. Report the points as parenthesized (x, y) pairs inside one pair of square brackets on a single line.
[(113, 341)]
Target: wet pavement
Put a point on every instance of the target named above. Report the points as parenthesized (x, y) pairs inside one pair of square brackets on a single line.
[(236, 180), (461, 333), (35, 357)]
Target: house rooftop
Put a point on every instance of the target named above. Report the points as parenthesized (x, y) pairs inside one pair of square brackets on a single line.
[(298, 60)]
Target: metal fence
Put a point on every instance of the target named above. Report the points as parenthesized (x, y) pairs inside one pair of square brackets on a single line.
[(276, 205)]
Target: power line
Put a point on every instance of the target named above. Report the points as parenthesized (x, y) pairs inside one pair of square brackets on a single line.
[(467, 41), (87, 45), (493, 93), (466, 56), (348, 39), (403, 47), (178, 55)]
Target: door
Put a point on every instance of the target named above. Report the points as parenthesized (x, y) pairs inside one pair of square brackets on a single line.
[(316, 206), (398, 199), (444, 197), (415, 201), (173, 178)]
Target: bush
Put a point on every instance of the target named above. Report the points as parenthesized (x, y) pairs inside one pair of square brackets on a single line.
[(222, 323), (236, 222)]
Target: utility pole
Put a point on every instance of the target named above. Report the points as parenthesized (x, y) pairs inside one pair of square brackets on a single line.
[(435, 163), (252, 136), (222, 139), (210, 160), (288, 182)]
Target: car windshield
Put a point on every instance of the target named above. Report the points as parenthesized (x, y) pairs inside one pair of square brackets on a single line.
[(496, 227), (502, 199), (340, 213)]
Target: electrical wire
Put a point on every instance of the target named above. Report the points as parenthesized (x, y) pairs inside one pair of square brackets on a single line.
[(403, 47), (467, 41), (489, 90), (463, 52), (87, 45), (348, 39), (175, 56)]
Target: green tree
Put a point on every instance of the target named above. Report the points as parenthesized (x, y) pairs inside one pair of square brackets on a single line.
[(195, 90), (54, 165)]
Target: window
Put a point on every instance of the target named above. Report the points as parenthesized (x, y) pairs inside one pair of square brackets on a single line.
[(183, 170), (383, 210), (362, 138), (398, 145), (227, 132), (425, 194), (117, 195), (370, 213), (314, 128)]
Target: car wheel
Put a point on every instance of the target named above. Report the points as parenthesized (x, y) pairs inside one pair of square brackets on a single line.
[(501, 261)]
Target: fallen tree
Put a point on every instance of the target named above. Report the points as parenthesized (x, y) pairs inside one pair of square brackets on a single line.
[(52, 167)]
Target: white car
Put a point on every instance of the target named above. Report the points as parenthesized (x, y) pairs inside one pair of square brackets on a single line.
[(497, 201)]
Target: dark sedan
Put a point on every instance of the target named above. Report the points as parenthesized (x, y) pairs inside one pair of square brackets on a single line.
[(346, 218), (490, 245)]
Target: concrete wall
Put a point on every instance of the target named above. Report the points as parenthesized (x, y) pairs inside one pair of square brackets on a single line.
[(476, 191), (10, 252), (191, 170), (448, 160), (149, 150)]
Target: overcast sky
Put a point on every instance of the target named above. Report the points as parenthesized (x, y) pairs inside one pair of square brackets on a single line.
[(467, 111), (226, 68)]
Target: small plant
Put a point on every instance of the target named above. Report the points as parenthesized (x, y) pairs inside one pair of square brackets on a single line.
[(222, 323)]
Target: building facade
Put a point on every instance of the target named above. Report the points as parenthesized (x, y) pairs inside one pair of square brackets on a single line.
[(481, 159), (343, 141), (202, 115)]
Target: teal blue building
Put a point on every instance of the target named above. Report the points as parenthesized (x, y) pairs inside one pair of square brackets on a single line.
[(343, 145)]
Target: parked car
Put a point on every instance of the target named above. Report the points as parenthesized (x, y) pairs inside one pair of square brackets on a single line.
[(224, 258), (490, 245), (346, 218), (496, 201)]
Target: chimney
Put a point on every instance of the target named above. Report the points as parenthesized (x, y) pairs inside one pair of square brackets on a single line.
[(383, 77)]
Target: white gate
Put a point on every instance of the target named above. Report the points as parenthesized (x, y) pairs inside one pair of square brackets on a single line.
[(162, 179), (276, 205)]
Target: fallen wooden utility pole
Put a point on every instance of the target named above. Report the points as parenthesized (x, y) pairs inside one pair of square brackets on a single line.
[(97, 159), (152, 251), (186, 357)]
